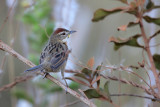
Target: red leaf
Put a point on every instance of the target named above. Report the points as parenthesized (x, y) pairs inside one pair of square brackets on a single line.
[(122, 28), (90, 63), (97, 79)]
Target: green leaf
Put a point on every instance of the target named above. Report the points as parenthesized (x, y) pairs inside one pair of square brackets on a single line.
[(86, 71), (96, 73), (21, 94), (123, 1), (106, 89), (92, 93), (131, 41), (99, 67), (97, 70), (152, 20), (150, 4), (74, 85), (102, 13), (80, 75), (156, 58)]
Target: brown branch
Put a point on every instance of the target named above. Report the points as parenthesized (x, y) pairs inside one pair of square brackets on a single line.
[(6, 48), (128, 82), (18, 80), (146, 42), (6, 19), (22, 79), (133, 95), (70, 104), (130, 71)]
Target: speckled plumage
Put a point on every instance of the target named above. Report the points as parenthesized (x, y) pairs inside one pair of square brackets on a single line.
[(55, 54)]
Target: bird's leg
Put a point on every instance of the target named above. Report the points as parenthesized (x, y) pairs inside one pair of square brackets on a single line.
[(45, 73), (62, 73)]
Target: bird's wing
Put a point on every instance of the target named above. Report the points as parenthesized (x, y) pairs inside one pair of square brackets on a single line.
[(58, 60), (47, 51)]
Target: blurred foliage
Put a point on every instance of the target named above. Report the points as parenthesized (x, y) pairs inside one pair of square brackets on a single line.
[(49, 87), (21, 94), (38, 18)]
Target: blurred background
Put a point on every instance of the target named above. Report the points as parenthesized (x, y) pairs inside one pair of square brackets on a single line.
[(26, 24)]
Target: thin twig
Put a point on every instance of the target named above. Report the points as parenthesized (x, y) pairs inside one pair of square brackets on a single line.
[(146, 42), (128, 70), (145, 63), (155, 34), (6, 48), (127, 82), (72, 103), (5, 20), (22, 79), (44, 28), (154, 45), (133, 95), (18, 80)]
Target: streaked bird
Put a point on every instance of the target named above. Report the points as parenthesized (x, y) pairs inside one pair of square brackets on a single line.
[(55, 54)]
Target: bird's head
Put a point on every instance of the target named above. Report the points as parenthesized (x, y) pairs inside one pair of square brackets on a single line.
[(61, 33)]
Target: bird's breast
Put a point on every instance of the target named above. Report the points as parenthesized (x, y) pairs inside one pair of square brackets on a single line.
[(52, 50)]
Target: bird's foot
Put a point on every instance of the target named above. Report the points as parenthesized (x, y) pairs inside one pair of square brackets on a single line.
[(66, 85), (45, 73)]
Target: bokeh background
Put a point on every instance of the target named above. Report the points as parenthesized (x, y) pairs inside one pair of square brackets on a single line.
[(26, 24)]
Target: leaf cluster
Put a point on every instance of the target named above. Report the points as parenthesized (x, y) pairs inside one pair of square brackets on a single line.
[(91, 78), (136, 8)]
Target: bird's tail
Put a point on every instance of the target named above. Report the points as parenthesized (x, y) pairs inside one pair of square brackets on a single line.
[(34, 69)]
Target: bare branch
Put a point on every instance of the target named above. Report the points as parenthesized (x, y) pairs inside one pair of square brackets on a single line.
[(69, 104), (18, 80), (5, 20), (158, 32), (6, 48), (127, 69), (133, 95), (128, 82), (146, 42)]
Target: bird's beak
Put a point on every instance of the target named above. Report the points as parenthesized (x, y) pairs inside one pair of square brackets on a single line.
[(70, 32)]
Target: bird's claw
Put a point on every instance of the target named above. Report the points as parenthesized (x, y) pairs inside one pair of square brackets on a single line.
[(45, 73)]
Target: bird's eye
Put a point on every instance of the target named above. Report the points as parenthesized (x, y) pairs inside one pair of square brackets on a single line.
[(63, 33)]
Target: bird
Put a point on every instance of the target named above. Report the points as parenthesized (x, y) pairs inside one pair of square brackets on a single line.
[(54, 56)]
